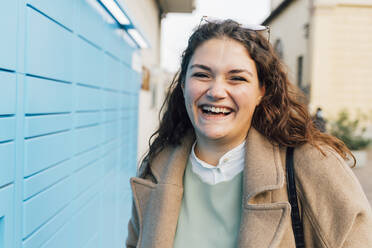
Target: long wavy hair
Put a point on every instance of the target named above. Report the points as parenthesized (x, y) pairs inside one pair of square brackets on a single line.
[(281, 116)]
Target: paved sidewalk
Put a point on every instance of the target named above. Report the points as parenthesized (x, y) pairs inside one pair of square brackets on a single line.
[(364, 174)]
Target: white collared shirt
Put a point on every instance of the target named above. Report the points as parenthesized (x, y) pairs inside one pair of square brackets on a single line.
[(229, 165)]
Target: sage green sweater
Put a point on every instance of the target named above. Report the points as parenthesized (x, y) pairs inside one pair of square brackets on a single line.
[(210, 214)]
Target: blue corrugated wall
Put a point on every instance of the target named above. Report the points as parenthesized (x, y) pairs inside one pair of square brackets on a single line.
[(68, 126)]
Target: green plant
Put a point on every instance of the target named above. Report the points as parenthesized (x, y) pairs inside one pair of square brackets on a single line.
[(350, 131)]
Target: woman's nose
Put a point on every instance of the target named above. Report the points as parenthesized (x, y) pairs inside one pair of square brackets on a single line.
[(217, 89)]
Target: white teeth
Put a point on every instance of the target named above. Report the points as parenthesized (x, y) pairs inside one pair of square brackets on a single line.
[(216, 110)]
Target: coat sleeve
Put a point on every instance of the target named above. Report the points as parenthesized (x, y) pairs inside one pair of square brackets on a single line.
[(334, 204), (133, 229)]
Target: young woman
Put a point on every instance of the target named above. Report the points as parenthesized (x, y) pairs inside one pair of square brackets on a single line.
[(215, 174)]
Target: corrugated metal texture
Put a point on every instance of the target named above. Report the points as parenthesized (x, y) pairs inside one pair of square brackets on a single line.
[(68, 126)]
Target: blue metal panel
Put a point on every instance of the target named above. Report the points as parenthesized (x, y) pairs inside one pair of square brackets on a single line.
[(62, 237), (45, 179), (60, 225), (88, 157), (126, 78), (94, 242), (48, 50), (88, 99), (7, 162), (111, 115), (127, 56), (113, 73), (44, 124), (87, 118), (119, 49), (123, 102), (45, 151), (134, 105), (35, 210), (7, 92), (110, 161), (6, 217), (62, 11), (133, 77), (83, 222), (111, 129), (111, 99), (91, 24), (135, 82), (8, 41), (114, 46), (7, 128), (109, 215), (73, 233), (110, 146), (47, 96), (90, 64), (125, 214), (88, 137), (88, 175)]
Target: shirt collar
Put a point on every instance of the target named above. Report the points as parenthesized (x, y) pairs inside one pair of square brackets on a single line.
[(229, 165)]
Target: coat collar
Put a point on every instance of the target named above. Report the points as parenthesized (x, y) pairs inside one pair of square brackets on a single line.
[(262, 225)]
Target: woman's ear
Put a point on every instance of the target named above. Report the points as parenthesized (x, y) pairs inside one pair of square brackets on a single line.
[(262, 93)]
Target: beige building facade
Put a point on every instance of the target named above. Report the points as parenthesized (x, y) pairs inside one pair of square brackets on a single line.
[(327, 45)]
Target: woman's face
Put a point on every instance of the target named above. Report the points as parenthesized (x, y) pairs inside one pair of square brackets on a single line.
[(221, 91)]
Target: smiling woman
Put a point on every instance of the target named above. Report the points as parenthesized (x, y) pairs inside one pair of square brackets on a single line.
[(215, 174)]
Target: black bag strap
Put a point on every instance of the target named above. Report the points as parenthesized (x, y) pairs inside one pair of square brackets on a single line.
[(292, 196)]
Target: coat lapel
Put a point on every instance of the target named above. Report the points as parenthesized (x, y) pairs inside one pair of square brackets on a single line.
[(159, 203), (263, 223)]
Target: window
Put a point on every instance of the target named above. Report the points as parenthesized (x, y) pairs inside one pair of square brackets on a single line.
[(278, 47), (299, 70)]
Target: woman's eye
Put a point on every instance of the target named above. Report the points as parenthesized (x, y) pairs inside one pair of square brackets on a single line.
[(238, 79), (200, 75)]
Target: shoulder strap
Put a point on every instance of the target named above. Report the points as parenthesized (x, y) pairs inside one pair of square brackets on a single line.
[(292, 196)]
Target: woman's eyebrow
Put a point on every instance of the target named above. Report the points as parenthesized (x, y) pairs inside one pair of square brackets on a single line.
[(239, 71), (204, 67)]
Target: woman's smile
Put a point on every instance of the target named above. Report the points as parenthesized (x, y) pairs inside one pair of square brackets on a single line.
[(214, 112)]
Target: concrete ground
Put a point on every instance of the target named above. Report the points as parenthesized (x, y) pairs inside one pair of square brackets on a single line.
[(364, 174)]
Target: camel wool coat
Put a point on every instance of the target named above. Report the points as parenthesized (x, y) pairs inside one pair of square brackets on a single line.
[(334, 210)]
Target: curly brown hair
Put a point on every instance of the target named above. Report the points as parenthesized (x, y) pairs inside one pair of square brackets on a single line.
[(281, 116)]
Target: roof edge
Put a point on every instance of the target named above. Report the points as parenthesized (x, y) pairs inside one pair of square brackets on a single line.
[(277, 11)]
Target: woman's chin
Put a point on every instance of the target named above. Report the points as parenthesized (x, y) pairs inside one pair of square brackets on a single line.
[(213, 135)]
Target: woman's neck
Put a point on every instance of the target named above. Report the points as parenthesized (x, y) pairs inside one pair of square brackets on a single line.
[(211, 152)]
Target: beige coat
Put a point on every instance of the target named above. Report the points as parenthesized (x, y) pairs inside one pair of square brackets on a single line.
[(334, 209)]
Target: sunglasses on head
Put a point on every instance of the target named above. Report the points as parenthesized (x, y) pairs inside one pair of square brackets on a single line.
[(263, 30)]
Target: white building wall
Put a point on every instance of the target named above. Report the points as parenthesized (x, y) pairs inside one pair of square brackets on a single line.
[(342, 43), (275, 3), (290, 28), (149, 105)]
